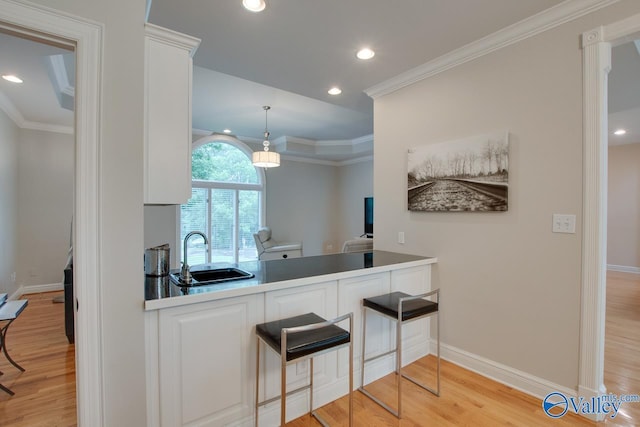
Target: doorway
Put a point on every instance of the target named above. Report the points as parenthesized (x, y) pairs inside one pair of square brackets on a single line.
[(622, 328), (37, 127), (47, 24), (597, 45)]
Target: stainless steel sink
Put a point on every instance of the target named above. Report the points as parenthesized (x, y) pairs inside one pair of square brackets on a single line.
[(212, 277)]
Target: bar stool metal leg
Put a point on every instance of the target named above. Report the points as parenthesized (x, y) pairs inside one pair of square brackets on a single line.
[(399, 361), (401, 308), (257, 379)]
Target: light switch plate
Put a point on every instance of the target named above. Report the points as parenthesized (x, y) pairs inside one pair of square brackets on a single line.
[(563, 223)]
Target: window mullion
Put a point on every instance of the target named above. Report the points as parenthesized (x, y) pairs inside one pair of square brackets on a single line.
[(209, 225), (236, 225)]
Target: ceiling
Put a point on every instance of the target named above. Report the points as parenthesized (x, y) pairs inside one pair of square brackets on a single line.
[(288, 56), (45, 99), (624, 93)]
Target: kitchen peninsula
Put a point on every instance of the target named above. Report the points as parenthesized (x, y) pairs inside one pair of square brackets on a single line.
[(200, 341)]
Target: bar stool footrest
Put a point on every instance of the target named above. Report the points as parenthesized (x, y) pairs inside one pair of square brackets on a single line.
[(321, 420), (378, 401), (289, 393), (419, 384)]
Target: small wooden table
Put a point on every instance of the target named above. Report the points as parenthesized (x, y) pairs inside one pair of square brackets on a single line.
[(9, 311)]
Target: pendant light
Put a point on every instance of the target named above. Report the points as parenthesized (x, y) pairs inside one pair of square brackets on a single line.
[(266, 158)]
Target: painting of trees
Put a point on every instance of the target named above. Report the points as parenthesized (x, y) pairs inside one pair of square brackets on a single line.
[(470, 174)]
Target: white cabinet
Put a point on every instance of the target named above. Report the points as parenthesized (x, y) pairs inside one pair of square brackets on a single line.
[(167, 137), (322, 300), (351, 292), (201, 355), (206, 360), (415, 335)]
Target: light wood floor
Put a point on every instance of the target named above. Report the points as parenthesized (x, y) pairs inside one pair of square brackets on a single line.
[(45, 393), (466, 399), (622, 344)]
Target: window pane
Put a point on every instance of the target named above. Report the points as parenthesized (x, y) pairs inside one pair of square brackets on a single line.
[(248, 224), (218, 161), (193, 217), (222, 218)]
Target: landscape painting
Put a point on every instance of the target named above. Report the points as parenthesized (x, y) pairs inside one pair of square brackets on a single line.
[(467, 175)]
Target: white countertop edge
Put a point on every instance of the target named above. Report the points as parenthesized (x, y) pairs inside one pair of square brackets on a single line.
[(180, 300)]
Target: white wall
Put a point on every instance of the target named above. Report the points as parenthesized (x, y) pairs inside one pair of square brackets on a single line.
[(623, 216), (301, 205), (45, 206), (160, 227), (356, 183), (510, 287), (8, 202), (120, 219)]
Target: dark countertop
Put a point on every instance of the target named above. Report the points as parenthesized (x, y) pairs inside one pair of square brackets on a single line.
[(268, 272)]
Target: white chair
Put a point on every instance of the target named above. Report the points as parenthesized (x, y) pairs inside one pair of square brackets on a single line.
[(358, 245), (270, 249)]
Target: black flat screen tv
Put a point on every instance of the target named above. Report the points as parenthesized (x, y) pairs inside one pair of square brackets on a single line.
[(368, 216)]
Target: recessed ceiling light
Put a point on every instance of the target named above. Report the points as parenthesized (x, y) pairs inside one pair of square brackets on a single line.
[(334, 91), (620, 132), (11, 78), (227, 131), (254, 5), (365, 53)]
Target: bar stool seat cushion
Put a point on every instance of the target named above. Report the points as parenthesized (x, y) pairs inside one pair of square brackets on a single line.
[(388, 305), (300, 344)]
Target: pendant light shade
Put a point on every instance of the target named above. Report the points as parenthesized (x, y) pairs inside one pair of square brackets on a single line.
[(265, 158)]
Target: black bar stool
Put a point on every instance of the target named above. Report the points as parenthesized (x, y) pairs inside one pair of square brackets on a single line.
[(402, 308), (299, 338)]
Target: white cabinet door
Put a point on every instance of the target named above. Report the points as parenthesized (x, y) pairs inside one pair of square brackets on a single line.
[(351, 292), (415, 335), (207, 361), (320, 299), (167, 139)]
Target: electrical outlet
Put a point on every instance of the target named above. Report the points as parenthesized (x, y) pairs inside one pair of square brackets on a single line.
[(13, 277), (564, 223), (401, 237)]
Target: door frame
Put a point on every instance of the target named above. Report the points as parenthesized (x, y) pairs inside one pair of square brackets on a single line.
[(87, 38), (596, 45)]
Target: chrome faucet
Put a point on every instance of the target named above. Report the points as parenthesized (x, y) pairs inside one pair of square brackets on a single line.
[(185, 274)]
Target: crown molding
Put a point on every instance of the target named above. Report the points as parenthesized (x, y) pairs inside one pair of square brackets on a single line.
[(46, 127), (363, 139), (16, 116), (356, 160), (327, 162), (166, 35), (283, 140), (10, 110), (59, 77), (529, 27)]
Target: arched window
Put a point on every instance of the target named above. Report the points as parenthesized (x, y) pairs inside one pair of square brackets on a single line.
[(226, 202)]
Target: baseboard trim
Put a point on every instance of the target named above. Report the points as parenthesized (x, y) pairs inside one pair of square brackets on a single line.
[(36, 289), (519, 380), (623, 268)]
